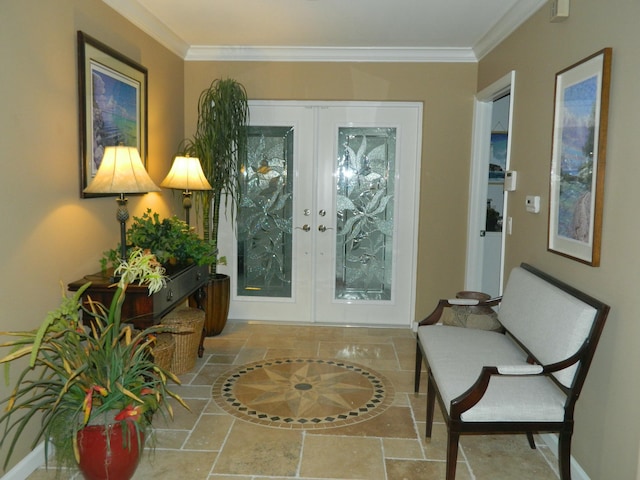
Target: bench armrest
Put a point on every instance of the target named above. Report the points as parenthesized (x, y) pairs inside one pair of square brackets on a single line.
[(474, 394), (519, 369), (434, 316)]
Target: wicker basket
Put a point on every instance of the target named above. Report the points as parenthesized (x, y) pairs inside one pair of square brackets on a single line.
[(185, 325), (163, 350)]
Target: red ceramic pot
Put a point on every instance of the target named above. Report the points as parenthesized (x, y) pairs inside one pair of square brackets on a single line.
[(106, 455)]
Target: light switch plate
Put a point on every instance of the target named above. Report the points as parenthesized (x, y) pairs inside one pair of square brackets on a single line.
[(510, 180), (559, 10)]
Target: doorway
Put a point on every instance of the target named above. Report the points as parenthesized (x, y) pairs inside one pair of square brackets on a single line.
[(327, 228), (489, 221)]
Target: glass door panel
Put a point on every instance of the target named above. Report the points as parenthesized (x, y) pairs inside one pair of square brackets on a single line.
[(365, 173), (270, 265), (264, 258), (368, 181)]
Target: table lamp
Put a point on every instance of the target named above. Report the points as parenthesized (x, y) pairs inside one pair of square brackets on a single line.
[(121, 172), (186, 174)]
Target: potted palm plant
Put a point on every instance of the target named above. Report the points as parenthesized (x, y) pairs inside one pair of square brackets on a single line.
[(220, 144), (93, 380)]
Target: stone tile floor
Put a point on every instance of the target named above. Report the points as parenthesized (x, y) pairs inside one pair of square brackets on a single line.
[(210, 443)]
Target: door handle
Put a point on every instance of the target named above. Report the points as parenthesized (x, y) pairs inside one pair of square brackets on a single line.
[(305, 227), (322, 228)]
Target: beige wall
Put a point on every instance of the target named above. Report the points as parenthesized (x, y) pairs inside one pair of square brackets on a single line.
[(447, 92), (49, 234), (607, 435)]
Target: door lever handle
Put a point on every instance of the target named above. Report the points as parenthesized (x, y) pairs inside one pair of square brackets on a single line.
[(322, 228), (305, 227)]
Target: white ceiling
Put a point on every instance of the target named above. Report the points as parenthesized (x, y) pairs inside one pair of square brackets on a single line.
[(339, 30)]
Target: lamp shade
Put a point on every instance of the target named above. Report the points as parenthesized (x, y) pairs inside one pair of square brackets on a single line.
[(121, 171), (186, 174)]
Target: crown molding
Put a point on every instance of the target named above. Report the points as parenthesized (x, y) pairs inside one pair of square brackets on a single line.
[(328, 54), (515, 17), (148, 23)]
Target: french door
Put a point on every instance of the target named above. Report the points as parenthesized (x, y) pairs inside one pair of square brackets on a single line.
[(326, 230)]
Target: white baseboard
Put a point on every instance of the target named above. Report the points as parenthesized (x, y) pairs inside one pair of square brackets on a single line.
[(27, 465), (551, 440)]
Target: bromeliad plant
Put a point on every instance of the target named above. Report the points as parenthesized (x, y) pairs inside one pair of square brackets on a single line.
[(79, 371)]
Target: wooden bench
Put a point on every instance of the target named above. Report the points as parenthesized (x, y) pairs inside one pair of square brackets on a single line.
[(525, 380)]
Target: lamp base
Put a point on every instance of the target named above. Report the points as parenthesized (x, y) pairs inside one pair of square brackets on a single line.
[(122, 215)]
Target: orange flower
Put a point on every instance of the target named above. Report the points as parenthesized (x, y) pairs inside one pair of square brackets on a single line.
[(129, 413), (88, 400)]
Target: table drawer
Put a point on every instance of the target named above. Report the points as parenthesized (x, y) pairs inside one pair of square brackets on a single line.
[(178, 288)]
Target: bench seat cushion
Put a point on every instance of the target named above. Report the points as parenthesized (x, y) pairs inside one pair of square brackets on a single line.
[(456, 357)]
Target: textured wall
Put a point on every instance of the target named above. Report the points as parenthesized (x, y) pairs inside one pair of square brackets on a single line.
[(447, 93), (603, 443), (49, 234)]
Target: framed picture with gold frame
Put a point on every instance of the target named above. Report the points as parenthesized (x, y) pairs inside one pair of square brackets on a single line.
[(578, 158), (112, 92)]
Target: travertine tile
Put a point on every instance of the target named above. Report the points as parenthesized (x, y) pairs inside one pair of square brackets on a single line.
[(504, 457), (234, 477), (254, 449), (394, 422), (167, 464), (421, 469), (342, 457), (210, 444), (209, 433), (400, 448), (170, 439), (357, 352), (49, 474)]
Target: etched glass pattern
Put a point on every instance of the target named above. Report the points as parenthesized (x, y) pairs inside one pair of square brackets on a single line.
[(365, 173), (264, 216)]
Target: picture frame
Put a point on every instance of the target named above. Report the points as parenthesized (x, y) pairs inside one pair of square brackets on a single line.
[(578, 158), (498, 156), (112, 91)]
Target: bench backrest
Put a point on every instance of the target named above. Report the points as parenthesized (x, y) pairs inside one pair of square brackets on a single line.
[(551, 319)]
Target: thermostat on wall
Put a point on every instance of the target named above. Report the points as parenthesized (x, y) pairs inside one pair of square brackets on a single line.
[(510, 181), (532, 203)]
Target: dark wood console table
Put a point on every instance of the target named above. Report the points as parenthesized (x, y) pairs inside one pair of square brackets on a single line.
[(141, 309)]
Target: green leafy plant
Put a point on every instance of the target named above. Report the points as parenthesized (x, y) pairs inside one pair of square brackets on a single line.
[(169, 239), (80, 370)]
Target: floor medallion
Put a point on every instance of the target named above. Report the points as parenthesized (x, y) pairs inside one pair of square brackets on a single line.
[(303, 393)]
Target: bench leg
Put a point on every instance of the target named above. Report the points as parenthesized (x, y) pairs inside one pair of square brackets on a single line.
[(564, 455), (532, 442), (452, 454), (431, 403), (418, 370)]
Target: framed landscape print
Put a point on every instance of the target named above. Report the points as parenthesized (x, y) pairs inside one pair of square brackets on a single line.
[(578, 158), (113, 105)]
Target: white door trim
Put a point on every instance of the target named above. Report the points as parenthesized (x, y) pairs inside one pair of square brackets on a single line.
[(408, 198), (479, 171)]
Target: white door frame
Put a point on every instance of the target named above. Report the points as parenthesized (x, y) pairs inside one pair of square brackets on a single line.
[(483, 108), (407, 200)]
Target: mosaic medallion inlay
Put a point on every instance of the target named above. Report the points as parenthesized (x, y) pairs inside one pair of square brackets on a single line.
[(303, 393)]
